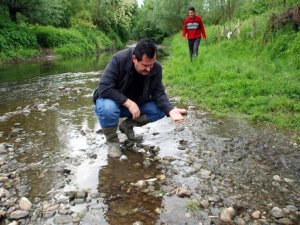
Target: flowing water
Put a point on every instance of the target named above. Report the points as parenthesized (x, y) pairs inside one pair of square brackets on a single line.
[(53, 144)]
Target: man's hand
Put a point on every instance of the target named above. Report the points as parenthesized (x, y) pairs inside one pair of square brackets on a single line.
[(133, 108), (176, 114)]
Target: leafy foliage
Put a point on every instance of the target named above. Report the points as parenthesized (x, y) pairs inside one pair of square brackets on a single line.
[(17, 42), (107, 15), (82, 19), (43, 12), (11, 35), (114, 15)]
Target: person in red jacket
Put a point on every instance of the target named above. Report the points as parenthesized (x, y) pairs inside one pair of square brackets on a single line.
[(193, 30)]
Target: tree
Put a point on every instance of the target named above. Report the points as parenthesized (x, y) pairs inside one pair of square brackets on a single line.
[(145, 24), (116, 15), (36, 11)]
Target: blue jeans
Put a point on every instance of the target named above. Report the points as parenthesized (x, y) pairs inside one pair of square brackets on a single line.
[(109, 112), (194, 46)]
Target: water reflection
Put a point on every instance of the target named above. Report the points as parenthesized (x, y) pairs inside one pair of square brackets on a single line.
[(20, 72), (45, 119), (126, 203)]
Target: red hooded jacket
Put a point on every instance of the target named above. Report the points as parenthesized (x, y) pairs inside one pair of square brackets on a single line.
[(193, 28)]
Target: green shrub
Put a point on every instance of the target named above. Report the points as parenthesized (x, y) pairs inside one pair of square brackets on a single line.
[(15, 37), (97, 38), (74, 49), (82, 19), (51, 37), (293, 50), (18, 54), (115, 39)]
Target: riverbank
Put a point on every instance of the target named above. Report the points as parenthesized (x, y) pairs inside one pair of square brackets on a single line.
[(209, 170), (34, 42), (247, 77)]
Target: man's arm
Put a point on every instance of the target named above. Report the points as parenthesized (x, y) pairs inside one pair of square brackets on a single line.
[(108, 83), (162, 101), (184, 30), (133, 108)]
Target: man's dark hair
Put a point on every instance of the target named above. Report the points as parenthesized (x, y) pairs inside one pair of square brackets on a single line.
[(145, 46), (192, 9)]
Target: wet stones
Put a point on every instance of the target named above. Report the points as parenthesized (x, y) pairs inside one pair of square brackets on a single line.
[(222, 170)]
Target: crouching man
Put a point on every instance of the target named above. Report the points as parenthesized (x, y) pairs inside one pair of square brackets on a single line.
[(131, 87)]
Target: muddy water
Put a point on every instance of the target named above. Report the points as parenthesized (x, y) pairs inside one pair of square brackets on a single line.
[(54, 146)]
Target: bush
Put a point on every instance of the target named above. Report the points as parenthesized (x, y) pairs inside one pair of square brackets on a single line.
[(98, 39), (115, 39), (51, 37), (214, 34), (72, 49), (82, 19), (12, 36), (293, 50)]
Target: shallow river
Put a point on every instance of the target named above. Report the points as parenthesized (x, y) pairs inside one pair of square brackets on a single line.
[(52, 150)]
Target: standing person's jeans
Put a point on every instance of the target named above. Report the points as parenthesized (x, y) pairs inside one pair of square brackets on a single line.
[(109, 112), (193, 47)]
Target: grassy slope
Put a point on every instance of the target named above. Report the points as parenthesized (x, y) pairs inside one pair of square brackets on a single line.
[(244, 77)]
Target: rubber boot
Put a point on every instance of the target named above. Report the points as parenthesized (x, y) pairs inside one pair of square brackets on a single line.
[(112, 141), (126, 126)]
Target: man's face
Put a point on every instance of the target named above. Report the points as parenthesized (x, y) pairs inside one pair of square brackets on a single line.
[(144, 66), (191, 13)]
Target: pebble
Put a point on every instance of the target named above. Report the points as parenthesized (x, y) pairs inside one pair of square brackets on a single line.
[(277, 212), (140, 184), (285, 221), (289, 181), (18, 214), (25, 204), (13, 223), (204, 204), (240, 221), (291, 208), (137, 223), (277, 178), (179, 128), (123, 157), (62, 219), (256, 214), (227, 214), (183, 192)]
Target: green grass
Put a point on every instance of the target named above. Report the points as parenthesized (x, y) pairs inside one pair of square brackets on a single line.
[(245, 77)]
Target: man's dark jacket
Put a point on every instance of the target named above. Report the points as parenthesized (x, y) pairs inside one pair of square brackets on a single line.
[(117, 77)]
